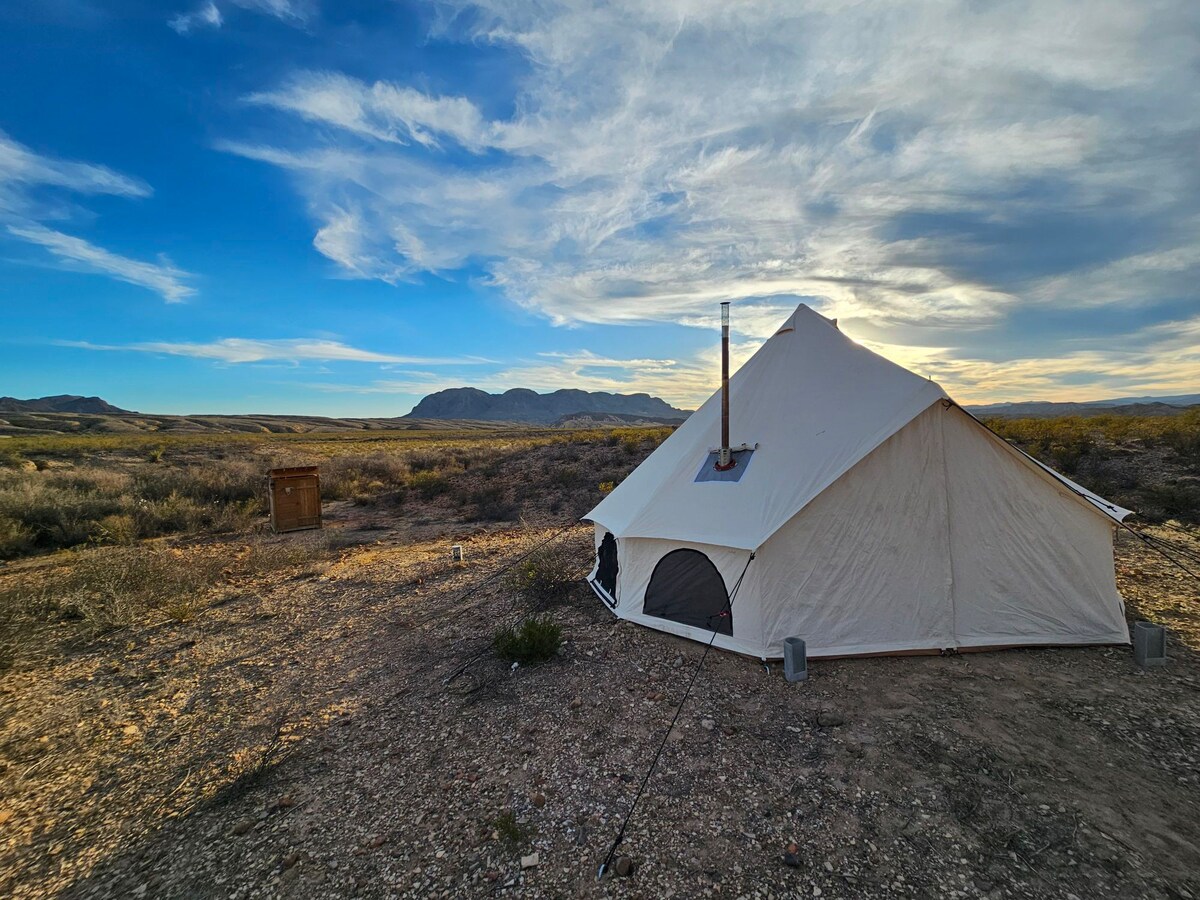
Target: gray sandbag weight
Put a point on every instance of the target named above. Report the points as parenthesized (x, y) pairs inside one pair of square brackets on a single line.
[(795, 659), (1149, 644)]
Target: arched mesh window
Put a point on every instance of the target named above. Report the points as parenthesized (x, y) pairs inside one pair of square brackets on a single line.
[(687, 588)]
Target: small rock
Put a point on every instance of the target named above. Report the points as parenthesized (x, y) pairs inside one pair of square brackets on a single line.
[(290, 860), (728, 731), (5, 815), (530, 861), (285, 801), (677, 662), (791, 860), (376, 842), (242, 826), (623, 866), (576, 703), (538, 800), (291, 876), (131, 731), (708, 724), (829, 719)]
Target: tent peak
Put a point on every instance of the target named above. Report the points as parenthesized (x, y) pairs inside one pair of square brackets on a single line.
[(804, 314)]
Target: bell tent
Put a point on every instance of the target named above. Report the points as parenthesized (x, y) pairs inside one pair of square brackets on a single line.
[(880, 517)]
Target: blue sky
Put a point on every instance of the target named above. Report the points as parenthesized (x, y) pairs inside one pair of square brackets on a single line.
[(301, 206)]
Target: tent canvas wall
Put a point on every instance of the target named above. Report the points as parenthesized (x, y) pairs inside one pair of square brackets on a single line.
[(883, 518)]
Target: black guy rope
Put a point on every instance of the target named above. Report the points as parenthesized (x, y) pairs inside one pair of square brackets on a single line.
[(654, 762)]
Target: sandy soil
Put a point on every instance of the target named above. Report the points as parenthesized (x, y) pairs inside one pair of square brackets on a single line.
[(298, 739)]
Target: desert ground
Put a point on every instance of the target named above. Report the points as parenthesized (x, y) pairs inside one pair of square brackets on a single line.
[(191, 706)]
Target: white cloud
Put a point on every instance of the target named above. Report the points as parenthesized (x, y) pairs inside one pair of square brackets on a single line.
[(1158, 359), (162, 277), (206, 16), (289, 350), (25, 177), (383, 111), (664, 156), (22, 171)]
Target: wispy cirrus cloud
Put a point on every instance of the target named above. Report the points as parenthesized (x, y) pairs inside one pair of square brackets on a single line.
[(939, 165), (208, 14), (162, 277), (384, 111), (35, 188), (22, 171), (205, 16), (288, 350)]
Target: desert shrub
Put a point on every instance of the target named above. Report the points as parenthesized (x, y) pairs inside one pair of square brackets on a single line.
[(566, 477), (10, 458), (606, 487), (535, 640), (15, 539), (361, 477), (107, 587), (492, 504), (512, 832), (428, 483), (53, 516), (119, 528), (110, 587), (426, 460), (155, 454), (1174, 500), (546, 575)]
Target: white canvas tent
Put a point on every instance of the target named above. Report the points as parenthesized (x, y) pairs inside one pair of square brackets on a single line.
[(883, 518)]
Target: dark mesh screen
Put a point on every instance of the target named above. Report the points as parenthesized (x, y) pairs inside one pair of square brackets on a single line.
[(687, 588)]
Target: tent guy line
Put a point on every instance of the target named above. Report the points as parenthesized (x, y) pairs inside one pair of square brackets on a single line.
[(667, 734)]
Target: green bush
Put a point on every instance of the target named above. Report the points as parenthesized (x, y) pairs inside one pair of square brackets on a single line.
[(535, 640), (511, 831)]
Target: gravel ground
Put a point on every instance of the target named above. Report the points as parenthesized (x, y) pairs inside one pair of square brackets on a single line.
[(299, 739)]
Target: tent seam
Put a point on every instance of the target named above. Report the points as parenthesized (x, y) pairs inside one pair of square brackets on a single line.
[(952, 588)]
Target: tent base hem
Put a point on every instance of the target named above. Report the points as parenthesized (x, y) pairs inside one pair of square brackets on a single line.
[(974, 644)]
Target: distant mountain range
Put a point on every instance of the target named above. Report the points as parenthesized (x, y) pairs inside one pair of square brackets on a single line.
[(468, 408), (64, 403), (524, 405), (1121, 406)]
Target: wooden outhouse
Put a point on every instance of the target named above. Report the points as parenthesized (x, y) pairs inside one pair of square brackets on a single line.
[(295, 498)]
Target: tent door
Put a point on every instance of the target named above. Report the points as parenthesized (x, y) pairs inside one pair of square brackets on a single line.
[(606, 569), (687, 588)]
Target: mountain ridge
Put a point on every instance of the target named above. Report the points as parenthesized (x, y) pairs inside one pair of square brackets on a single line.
[(525, 405), (64, 403)]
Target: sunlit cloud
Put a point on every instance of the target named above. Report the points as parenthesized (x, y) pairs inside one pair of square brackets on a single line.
[(881, 164)]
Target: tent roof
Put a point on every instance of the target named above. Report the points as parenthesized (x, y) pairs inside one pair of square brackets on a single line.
[(815, 402), (812, 399)]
